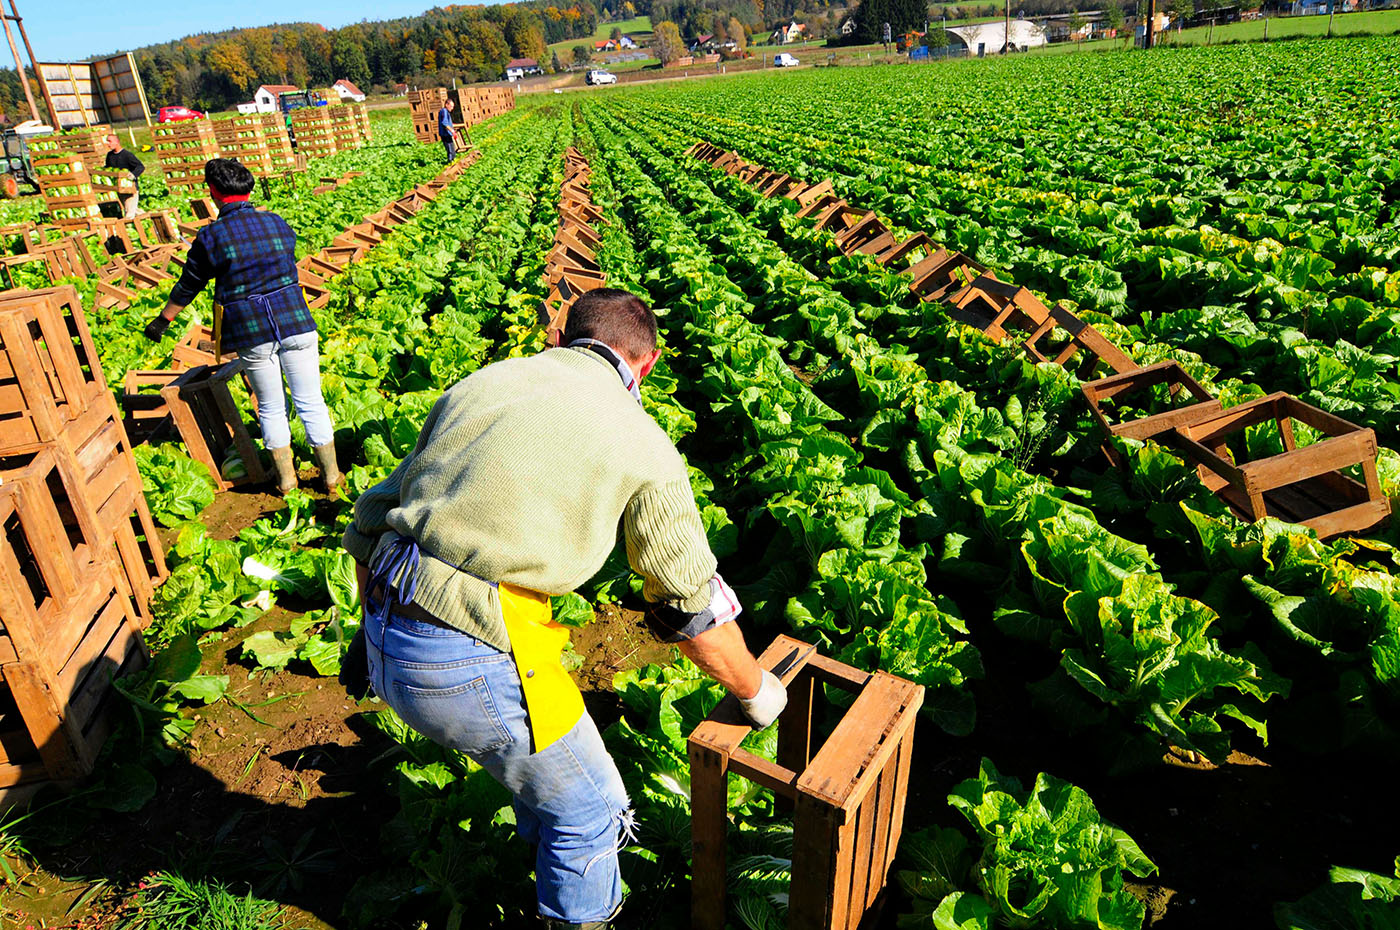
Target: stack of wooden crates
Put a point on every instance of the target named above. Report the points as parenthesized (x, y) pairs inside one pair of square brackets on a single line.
[(362, 116), (279, 143), (424, 104), (242, 137), (345, 125), (79, 558), (313, 132), (183, 148), (65, 180)]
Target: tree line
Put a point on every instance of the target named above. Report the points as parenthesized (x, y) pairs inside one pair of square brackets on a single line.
[(215, 71)]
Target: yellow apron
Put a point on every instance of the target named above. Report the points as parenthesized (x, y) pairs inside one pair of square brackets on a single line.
[(537, 643)]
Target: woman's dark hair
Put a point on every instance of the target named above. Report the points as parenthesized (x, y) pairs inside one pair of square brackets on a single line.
[(616, 317), (227, 176)]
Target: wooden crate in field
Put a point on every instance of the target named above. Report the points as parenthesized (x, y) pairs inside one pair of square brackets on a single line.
[(847, 793), (49, 369)]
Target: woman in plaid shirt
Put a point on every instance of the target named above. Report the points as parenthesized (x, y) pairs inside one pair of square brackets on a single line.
[(251, 254)]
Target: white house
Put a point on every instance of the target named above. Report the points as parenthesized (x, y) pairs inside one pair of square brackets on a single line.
[(265, 99), (626, 42), (990, 38), (348, 91), (793, 32), (848, 27), (246, 109), (518, 68)]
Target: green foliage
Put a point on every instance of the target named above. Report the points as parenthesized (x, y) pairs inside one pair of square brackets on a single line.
[(1047, 860)]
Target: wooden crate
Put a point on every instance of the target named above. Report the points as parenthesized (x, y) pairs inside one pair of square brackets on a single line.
[(65, 257), (49, 369), (95, 457), (209, 422), (47, 531), (1084, 341), (1302, 484), (847, 794), (142, 231), (60, 681), (1160, 391)]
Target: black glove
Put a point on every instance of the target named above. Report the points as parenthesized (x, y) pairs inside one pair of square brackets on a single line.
[(354, 667), (156, 328)]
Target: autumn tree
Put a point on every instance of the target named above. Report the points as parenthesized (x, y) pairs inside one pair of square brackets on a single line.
[(667, 39), (228, 63), (736, 32)]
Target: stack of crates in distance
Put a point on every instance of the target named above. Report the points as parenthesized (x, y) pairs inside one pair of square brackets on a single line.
[(312, 132), (90, 144), (79, 557), (424, 105), (66, 183), (183, 148), (346, 127), (279, 144), (362, 115), (242, 138), (478, 104)]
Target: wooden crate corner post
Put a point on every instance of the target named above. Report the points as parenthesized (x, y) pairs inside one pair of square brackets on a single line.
[(847, 794)]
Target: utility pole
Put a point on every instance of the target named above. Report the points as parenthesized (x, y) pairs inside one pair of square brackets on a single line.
[(33, 62), (1147, 38), (1331, 11), (19, 66), (1006, 49)]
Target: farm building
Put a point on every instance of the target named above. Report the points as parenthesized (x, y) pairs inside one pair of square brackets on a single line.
[(265, 97), (518, 68), (348, 91), (792, 32), (990, 38)]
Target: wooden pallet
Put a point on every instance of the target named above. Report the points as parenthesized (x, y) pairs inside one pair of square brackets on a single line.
[(209, 422), (1302, 484), (847, 794), (49, 368)]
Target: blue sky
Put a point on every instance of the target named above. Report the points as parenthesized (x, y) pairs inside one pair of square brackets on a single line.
[(74, 30)]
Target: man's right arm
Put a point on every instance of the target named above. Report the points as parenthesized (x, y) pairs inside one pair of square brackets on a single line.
[(688, 603)]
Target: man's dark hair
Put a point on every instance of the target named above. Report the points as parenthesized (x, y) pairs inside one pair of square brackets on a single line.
[(227, 176), (616, 317)]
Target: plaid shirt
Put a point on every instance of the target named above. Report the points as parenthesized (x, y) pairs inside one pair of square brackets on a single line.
[(252, 255)]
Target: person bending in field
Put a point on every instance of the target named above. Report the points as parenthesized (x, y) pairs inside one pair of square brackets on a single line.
[(251, 254), (521, 477)]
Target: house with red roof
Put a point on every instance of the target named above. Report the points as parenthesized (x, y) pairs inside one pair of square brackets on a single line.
[(266, 98), (348, 91)]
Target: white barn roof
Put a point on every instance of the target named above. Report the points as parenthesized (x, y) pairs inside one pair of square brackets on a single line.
[(1024, 34)]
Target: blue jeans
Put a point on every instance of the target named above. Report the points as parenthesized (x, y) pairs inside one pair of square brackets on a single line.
[(451, 148), (298, 359), (569, 799)]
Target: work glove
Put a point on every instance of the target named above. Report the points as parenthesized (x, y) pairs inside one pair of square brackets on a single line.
[(156, 328), (765, 706), (354, 667)]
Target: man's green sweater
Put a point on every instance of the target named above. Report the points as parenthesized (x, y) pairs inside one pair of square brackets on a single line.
[(520, 475)]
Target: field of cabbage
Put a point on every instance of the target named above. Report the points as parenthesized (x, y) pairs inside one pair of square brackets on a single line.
[(874, 477)]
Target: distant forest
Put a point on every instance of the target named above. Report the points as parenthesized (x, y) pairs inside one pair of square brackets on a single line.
[(217, 70)]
